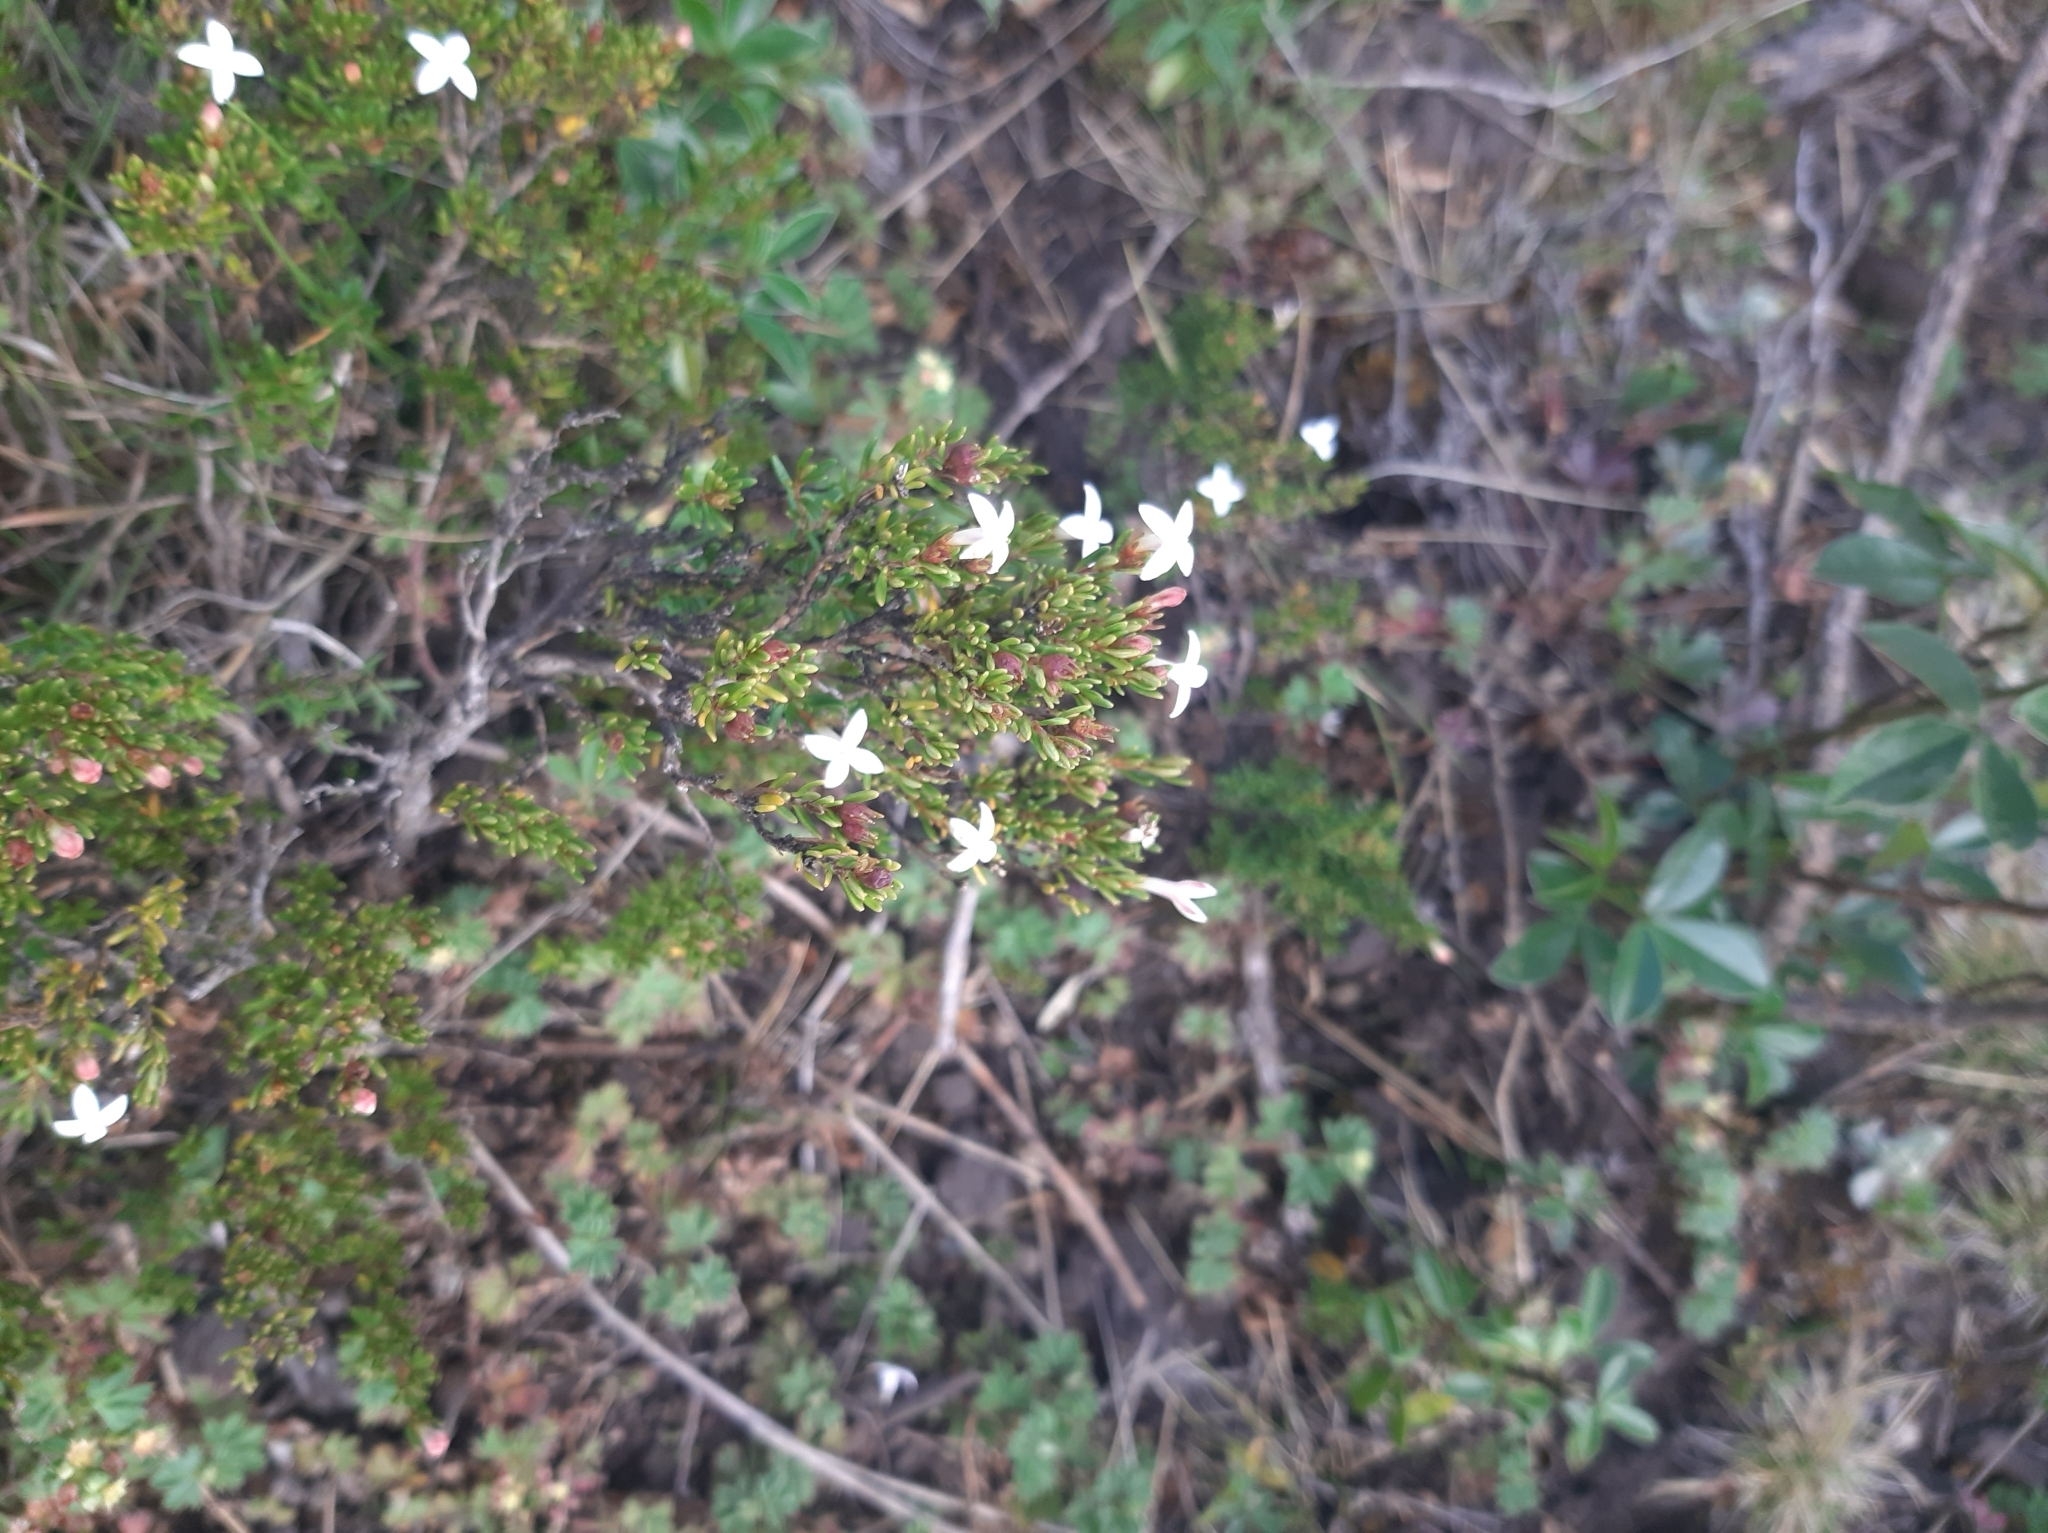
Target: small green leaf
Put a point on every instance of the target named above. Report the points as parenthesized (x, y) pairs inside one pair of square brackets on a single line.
[(1897, 572), (1899, 763), (120, 1406), (2002, 799), (1727, 961), (1597, 1296), (1687, 873), (1536, 959), (1807, 1143), (1630, 1420), (1930, 661), (800, 236), (234, 1449), (1636, 988)]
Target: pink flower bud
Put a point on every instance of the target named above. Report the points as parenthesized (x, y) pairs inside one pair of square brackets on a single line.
[(66, 842), (19, 853), (86, 1068), (84, 769), (1159, 601), (433, 1442), (210, 117), (158, 776), (1057, 667), (192, 766), (362, 1101)]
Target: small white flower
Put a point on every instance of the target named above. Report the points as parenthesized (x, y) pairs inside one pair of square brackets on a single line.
[(842, 752), (1145, 833), (1181, 893), (1222, 488), (1321, 436), (1088, 526), (1187, 674), (1286, 312), (220, 58), (892, 1379), (978, 843), (445, 62), (989, 537), (1174, 540), (89, 1121)]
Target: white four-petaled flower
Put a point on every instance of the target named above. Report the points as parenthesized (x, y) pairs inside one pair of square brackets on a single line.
[(1222, 488), (978, 842), (220, 58), (843, 752), (1181, 893), (989, 537), (1187, 675), (89, 1120), (892, 1379), (1088, 526), (1321, 436), (1173, 540), (444, 62), (1145, 833)]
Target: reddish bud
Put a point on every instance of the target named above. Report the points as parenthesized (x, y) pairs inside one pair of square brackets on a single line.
[(86, 1068), (963, 461), (1088, 729), (1057, 667), (158, 776), (86, 770), (81, 711), (777, 651), (193, 766), (1159, 601), (938, 552), (501, 393), (683, 37), (352, 72), (1009, 665), (210, 117), (362, 1101), (434, 1442), (1130, 556), (1137, 644), (858, 822), (66, 842), (740, 728), (876, 879), (19, 853)]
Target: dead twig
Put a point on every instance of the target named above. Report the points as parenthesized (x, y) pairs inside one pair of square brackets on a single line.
[(953, 966), (1079, 1204), (885, 1494), (1414, 1099)]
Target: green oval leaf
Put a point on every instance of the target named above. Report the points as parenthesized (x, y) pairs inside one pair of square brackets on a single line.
[(1930, 661), (2031, 712), (1536, 959), (1898, 572), (2002, 799), (1728, 961), (1900, 762), (1636, 987), (1688, 872)]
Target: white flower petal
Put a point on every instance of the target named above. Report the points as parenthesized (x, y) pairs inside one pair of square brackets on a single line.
[(863, 761), (1321, 436)]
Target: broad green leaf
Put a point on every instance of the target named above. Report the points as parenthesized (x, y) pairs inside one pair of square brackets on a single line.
[(1597, 1296), (2030, 712), (234, 1449), (800, 236), (1900, 762), (1909, 514), (119, 1405), (1630, 1420), (1930, 661), (1447, 1289), (2002, 799), (1687, 873), (1637, 986), (1561, 885), (1898, 572), (1727, 961), (1538, 956)]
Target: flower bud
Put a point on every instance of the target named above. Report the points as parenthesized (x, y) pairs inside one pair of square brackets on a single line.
[(352, 72), (19, 853), (1159, 601), (777, 651), (81, 711), (1009, 665), (876, 878), (1136, 644), (858, 822), (434, 1441), (210, 118), (1088, 729), (66, 842), (362, 1101), (740, 728), (84, 769), (1057, 667), (158, 775), (963, 461), (86, 1068), (193, 766), (939, 551), (1130, 556)]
